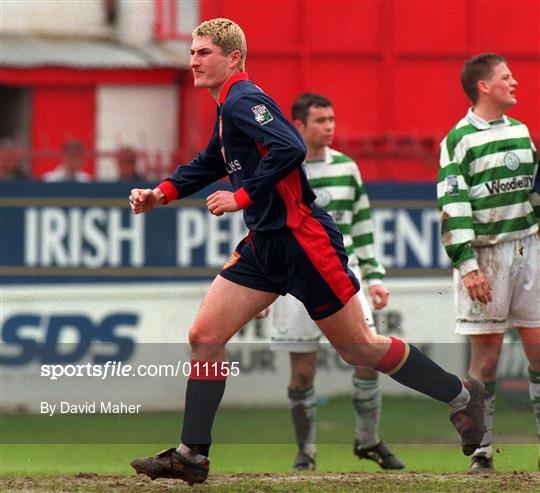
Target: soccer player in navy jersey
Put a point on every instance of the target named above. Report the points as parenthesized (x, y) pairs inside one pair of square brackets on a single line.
[(293, 246)]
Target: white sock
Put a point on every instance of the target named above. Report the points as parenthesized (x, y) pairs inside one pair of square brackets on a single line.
[(489, 411), (461, 401), (366, 396), (303, 407), (187, 453)]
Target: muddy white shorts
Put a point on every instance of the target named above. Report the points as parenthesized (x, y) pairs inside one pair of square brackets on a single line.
[(294, 331), (513, 270)]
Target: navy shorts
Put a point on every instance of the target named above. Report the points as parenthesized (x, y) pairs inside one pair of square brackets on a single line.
[(308, 261)]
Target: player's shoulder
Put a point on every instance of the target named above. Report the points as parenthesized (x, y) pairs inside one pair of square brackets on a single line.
[(339, 158), (247, 97), (513, 122), (459, 131), (246, 92)]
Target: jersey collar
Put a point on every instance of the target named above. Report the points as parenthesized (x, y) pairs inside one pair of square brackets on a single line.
[(482, 124), (233, 79), (327, 157)]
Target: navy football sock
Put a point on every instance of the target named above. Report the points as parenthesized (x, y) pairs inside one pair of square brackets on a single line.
[(411, 367), (424, 375), (202, 401)]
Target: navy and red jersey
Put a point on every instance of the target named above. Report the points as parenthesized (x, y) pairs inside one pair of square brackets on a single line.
[(261, 152)]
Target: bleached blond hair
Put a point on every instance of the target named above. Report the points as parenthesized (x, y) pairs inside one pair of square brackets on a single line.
[(226, 34)]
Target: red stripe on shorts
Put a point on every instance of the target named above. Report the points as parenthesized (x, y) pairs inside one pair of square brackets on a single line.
[(316, 243)]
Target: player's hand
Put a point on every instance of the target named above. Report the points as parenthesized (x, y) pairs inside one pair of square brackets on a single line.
[(478, 286), (145, 199), (221, 202), (263, 314), (379, 296)]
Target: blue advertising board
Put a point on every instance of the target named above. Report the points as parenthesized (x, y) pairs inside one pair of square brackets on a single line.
[(66, 232)]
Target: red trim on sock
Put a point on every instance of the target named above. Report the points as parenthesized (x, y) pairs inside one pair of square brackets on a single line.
[(209, 370), (393, 356)]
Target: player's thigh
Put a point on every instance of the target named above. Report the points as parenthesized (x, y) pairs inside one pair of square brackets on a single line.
[(226, 308)]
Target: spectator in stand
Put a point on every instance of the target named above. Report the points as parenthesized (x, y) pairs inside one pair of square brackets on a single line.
[(11, 165), (71, 167), (126, 163)]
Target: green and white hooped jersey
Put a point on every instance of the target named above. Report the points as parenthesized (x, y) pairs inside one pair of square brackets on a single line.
[(338, 185), (488, 171)]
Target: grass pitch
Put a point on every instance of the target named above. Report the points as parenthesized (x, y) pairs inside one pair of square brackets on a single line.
[(253, 451)]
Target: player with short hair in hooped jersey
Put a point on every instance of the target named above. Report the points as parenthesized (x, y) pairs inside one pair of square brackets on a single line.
[(487, 192)]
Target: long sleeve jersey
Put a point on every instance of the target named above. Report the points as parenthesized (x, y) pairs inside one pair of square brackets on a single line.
[(262, 153), (486, 186), (337, 182)]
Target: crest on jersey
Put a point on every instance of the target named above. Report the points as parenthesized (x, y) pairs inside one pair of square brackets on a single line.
[(511, 161), (324, 197), (452, 187), (262, 115)]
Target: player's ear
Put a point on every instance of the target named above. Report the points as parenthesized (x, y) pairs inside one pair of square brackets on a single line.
[(235, 58), (299, 125), (482, 86)]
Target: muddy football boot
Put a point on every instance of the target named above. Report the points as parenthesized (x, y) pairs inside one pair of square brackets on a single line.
[(469, 422), (304, 462), (171, 464), (481, 464), (380, 454)]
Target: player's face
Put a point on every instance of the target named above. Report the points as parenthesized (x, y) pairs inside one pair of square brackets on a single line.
[(320, 126), (211, 67), (501, 87)]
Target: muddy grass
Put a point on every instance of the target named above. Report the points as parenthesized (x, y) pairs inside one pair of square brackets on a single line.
[(284, 483)]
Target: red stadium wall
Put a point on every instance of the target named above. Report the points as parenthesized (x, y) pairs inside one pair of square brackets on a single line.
[(390, 67), (61, 114)]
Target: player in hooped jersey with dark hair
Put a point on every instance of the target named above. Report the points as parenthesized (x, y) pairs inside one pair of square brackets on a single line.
[(293, 247)]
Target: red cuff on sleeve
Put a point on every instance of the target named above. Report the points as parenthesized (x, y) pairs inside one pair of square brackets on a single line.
[(242, 198), (169, 190)]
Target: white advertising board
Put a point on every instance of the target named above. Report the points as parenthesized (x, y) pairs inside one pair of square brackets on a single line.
[(73, 343)]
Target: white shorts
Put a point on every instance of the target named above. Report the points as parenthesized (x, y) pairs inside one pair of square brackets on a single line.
[(294, 331), (513, 271)]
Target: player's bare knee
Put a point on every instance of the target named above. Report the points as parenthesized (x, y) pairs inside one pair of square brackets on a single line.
[(201, 337), (358, 355), (534, 361), (302, 379), (486, 370)]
